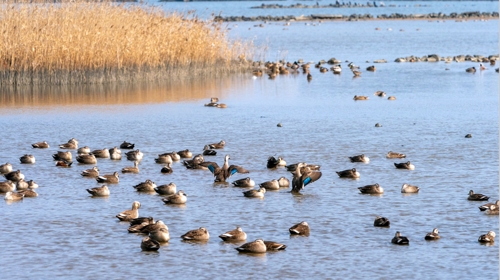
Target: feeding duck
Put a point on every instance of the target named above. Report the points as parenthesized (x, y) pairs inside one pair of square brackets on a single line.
[(27, 159), (149, 244), (200, 234), (14, 176), (131, 214), (349, 173), (72, 144), (360, 158), (109, 178), (371, 189), (303, 177), (146, 186), (130, 169), (404, 165), (400, 240), (134, 155), (477, 196), (234, 235), (221, 174), (40, 145), (381, 222), (13, 196), (86, 159), (487, 238), (104, 153), (99, 191), (63, 156), (255, 193), (127, 145), (395, 155), (5, 168), (273, 162), (301, 228), (257, 247), (434, 235), (244, 183), (92, 172), (274, 246), (407, 188), (179, 198), (167, 189)]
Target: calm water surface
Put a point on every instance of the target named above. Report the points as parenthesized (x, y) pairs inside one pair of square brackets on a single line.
[(66, 233)]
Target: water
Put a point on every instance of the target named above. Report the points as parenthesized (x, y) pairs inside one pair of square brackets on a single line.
[(66, 233)]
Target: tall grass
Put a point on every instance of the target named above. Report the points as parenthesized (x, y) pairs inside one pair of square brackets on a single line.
[(93, 42)]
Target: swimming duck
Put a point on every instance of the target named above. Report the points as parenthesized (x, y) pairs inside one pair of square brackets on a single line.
[(380, 93), (274, 246), (194, 163), (185, 153), (400, 240), (63, 156), (378, 125), (13, 196), (255, 193), (104, 153), (371, 68), (160, 235), (167, 189), (391, 98), (434, 235), (404, 165), (92, 172), (471, 70), (72, 144), (221, 174), (283, 182), (167, 169), (244, 183), (270, 185), (64, 163), (153, 227), (5, 168), (477, 196), (221, 105), (14, 176), (487, 205), (301, 228), (146, 186), (22, 185), (392, 154), (141, 220), (468, 135), (149, 244), (99, 191), (407, 188), (214, 99), (130, 169), (115, 154), (487, 238), (309, 76), (127, 145), (208, 152), (337, 69), (196, 234), (303, 177), (40, 145), (109, 178), (219, 145), (381, 222), (323, 70), (29, 159), (492, 210), (349, 173), (134, 155), (234, 235), (28, 193), (179, 198), (371, 189), (32, 185), (136, 228), (361, 97), (273, 162), (7, 186), (131, 214), (83, 150), (257, 247), (86, 159), (360, 158), (164, 159), (293, 167)]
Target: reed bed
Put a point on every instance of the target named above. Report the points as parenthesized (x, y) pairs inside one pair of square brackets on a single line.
[(73, 42)]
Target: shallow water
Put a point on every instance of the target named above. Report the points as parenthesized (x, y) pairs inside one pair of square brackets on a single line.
[(66, 233)]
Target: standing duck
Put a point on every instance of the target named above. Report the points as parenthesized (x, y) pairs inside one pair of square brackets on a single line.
[(234, 235), (40, 145), (303, 177), (400, 240), (434, 235), (27, 159), (131, 214), (301, 228), (477, 196), (349, 173), (404, 165), (221, 174)]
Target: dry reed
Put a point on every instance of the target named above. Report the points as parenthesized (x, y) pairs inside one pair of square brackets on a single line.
[(87, 42)]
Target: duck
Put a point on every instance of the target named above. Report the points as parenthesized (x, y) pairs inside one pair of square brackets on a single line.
[(185, 153), (391, 98), (219, 145), (380, 93), (109, 178), (303, 177), (13, 196), (487, 238), (407, 188), (270, 185), (378, 125), (131, 169), (167, 189), (221, 105), (130, 214), (256, 247), (360, 97), (161, 235), (92, 172), (200, 234), (468, 135), (273, 162), (371, 189), (164, 159), (126, 145), (167, 169), (27, 159), (40, 145), (356, 73), (211, 104), (255, 193), (323, 70), (348, 173), (283, 182), (392, 154), (148, 244), (136, 228), (487, 205), (194, 162), (22, 185), (99, 191), (153, 227), (7, 186), (134, 155), (28, 193), (371, 68), (86, 158), (140, 220), (146, 186), (115, 153), (32, 185), (244, 183), (337, 69), (404, 165), (63, 156), (301, 228), (477, 196), (64, 163), (14, 176), (214, 99), (360, 158), (5, 168), (471, 70), (400, 240), (481, 67), (274, 246), (221, 174), (83, 150), (293, 167), (381, 222), (309, 76), (208, 152), (103, 153), (492, 210), (71, 144), (234, 235), (179, 198), (352, 66), (434, 235)]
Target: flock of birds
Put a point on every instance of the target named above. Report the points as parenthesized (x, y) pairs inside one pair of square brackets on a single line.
[(303, 175)]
